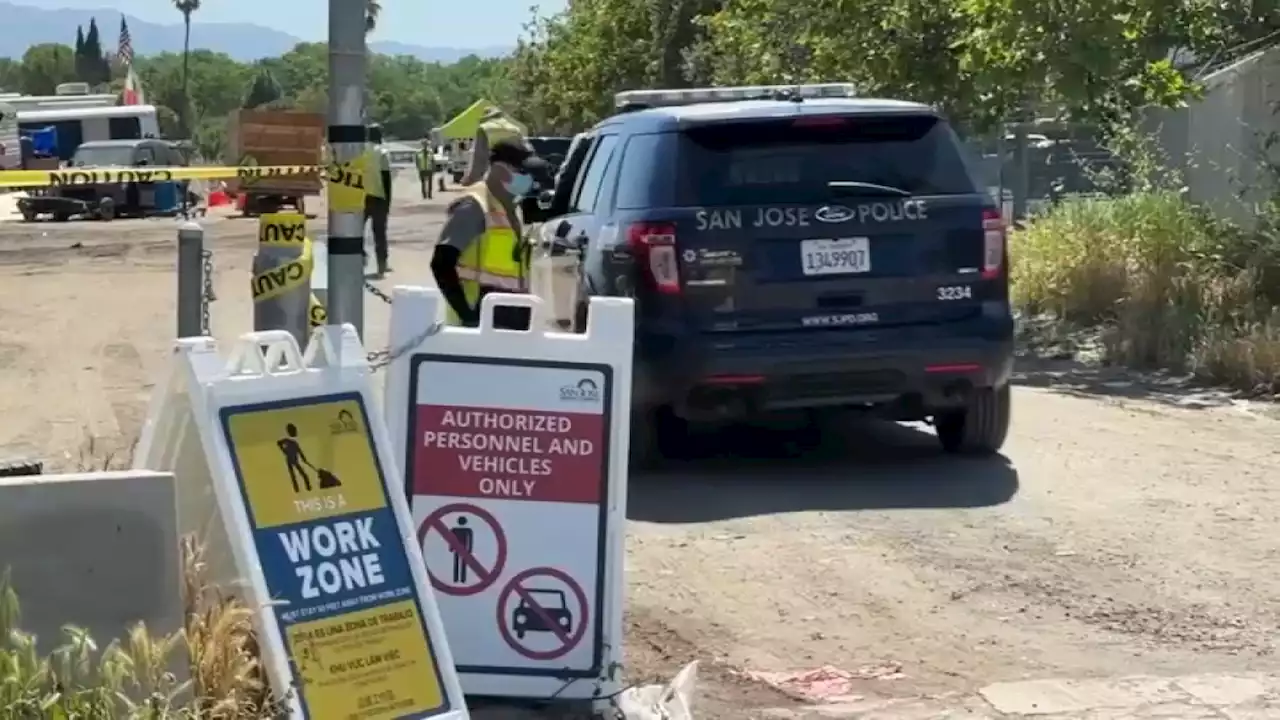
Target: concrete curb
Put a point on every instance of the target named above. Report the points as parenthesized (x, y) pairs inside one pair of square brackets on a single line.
[(1243, 696)]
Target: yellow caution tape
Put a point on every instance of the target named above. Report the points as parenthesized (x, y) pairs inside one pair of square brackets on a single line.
[(60, 178), (271, 284), (317, 316), (282, 229), (348, 184)]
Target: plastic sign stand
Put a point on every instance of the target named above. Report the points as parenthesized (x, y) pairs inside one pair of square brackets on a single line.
[(314, 516), (514, 446)]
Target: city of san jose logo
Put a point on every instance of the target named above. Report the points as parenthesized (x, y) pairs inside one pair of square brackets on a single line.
[(344, 423), (585, 390)]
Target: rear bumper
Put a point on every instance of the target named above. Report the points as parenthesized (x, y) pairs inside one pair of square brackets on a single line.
[(907, 373)]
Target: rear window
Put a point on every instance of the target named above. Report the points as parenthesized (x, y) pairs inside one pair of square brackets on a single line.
[(785, 162)]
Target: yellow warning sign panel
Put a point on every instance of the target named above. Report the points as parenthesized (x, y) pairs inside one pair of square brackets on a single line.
[(334, 558)]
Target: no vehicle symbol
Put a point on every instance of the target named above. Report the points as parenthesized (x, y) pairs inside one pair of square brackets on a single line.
[(464, 547), (542, 613)]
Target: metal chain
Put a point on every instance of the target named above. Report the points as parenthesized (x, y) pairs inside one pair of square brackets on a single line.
[(382, 358), (208, 295)]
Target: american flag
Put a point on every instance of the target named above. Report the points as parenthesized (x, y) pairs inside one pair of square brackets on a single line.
[(124, 53)]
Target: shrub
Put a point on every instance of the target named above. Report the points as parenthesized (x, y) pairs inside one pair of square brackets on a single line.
[(1169, 285), (131, 679)]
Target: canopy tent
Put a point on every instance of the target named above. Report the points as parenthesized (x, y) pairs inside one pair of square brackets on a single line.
[(463, 127)]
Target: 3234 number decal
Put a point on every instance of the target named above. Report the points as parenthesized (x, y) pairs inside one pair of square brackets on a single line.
[(955, 292)]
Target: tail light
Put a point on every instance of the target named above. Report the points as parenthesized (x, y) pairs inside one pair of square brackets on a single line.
[(993, 243), (654, 248)]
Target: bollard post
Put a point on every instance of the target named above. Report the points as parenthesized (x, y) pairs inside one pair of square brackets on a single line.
[(282, 275), (191, 281)]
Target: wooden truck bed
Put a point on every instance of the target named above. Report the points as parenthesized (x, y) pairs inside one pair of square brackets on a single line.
[(277, 137)]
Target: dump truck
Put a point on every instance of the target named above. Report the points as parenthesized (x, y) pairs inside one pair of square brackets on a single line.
[(276, 137)]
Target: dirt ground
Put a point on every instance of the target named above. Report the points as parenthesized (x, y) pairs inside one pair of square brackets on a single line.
[(1125, 530)]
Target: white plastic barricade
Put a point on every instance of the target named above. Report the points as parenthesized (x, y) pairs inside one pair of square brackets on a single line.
[(515, 452), (285, 462)]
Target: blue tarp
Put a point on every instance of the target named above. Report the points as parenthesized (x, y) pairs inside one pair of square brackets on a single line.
[(44, 140)]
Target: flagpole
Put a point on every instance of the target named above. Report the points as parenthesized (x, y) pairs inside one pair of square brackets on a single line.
[(347, 138)]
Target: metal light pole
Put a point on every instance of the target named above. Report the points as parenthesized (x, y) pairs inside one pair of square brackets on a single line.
[(347, 138)]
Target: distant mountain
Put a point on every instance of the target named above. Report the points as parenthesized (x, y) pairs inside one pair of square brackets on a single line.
[(24, 26)]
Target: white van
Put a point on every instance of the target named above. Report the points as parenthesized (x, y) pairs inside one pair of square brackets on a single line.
[(10, 147), (79, 125)]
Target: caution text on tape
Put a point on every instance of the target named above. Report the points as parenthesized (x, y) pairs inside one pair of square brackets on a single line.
[(61, 178), (282, 229), (277, 281)]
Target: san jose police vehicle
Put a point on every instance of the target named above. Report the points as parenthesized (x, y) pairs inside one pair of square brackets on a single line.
[(793, 247)]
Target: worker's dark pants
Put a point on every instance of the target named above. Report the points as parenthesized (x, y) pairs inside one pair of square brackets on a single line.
[(375, 212), (424, 178)]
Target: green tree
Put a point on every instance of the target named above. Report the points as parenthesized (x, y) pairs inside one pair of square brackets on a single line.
[(10, 75), (264, 89), (79, 53), (95, 70), (46, 66), (187, 8)]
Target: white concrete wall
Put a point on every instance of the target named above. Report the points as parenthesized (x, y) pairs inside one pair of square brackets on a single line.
[(98, 550), (1216, 143)]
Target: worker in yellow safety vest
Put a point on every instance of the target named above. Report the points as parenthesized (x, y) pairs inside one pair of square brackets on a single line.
[(426, 162), (495, 127), (480, 248)]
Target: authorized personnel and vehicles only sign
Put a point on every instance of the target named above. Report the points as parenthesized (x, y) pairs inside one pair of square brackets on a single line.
[(515, 465), (535, 459), (313, 508)]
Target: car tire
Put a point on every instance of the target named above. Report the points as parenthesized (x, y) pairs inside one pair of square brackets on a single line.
[(106, 209), (979, 429), (655, 435)]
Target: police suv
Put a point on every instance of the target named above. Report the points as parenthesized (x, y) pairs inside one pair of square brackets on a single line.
[(792, 248)]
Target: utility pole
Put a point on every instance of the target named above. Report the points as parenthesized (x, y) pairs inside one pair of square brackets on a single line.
[(347, 138)]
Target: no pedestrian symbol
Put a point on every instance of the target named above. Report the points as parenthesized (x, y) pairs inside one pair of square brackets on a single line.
[(542, 613), (460, 526)]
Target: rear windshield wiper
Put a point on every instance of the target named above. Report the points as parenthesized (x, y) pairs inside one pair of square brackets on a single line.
[(853, 187)]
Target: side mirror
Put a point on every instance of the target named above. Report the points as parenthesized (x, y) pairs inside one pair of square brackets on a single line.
[(562, 230), (545, 199)]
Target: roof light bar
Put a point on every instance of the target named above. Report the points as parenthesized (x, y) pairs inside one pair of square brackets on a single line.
[(667, 98)]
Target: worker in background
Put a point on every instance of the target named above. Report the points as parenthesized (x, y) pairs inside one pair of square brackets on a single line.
[(495, 127), (426, 162), (480, 248), (441, 162), (377, 203)]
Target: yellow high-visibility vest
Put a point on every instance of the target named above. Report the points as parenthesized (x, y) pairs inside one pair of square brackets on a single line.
[(492, 262)]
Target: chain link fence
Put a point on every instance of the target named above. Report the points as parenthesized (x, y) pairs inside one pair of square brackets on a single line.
[(1028, 167), (1223, 148)]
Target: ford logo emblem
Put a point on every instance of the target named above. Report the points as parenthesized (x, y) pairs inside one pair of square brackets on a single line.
[(833, 214)]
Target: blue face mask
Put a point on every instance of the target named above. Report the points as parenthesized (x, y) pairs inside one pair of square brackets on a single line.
[(519, 185)]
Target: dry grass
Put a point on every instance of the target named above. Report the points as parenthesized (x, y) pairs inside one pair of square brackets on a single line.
[(133, 678), (1169, 286)]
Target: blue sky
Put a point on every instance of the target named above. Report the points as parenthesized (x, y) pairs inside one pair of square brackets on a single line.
[(441, 23)]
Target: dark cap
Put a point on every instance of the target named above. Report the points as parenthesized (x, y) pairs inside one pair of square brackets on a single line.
[(518, 155)]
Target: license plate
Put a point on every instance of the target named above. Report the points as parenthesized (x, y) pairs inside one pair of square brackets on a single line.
[(835, 257)]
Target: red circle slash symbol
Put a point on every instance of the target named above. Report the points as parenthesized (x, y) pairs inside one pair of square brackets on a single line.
[(542, 609), (464, 553)]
